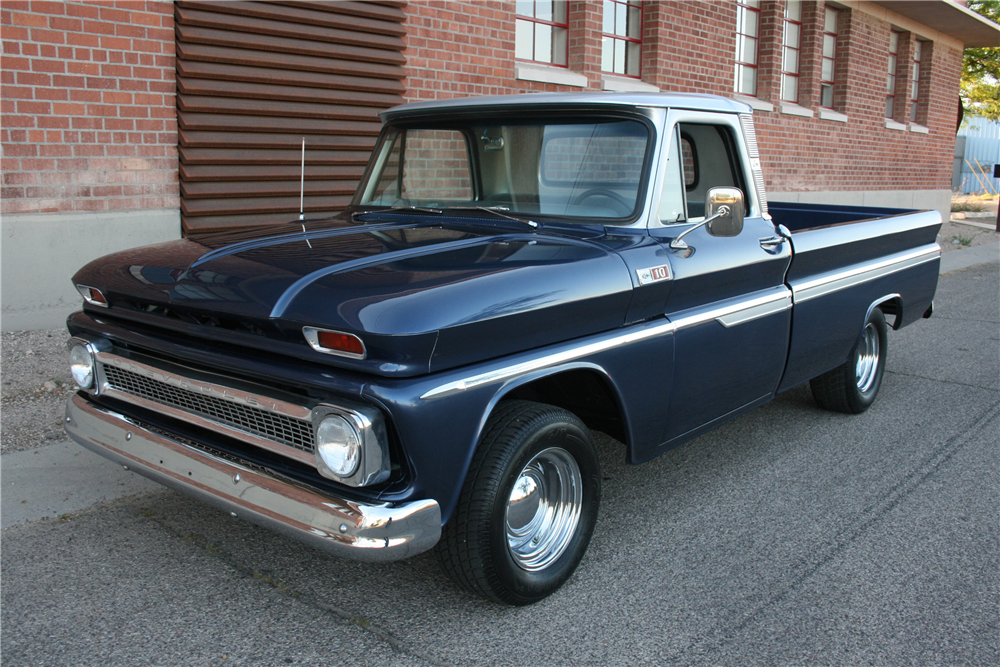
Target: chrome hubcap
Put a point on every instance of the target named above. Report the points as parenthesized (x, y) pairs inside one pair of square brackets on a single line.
[(543, 509), (864, 369)]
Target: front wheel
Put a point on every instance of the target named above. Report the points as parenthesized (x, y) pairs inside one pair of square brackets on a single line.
[(528, 507), (853, 386)]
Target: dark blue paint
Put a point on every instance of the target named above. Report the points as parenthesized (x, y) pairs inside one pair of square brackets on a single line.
[(798, 216), (438, 301)]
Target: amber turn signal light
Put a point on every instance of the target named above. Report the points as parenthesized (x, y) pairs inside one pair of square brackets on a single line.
[(92, 295), (335, 342)]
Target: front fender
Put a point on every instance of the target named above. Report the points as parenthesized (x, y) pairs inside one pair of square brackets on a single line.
[(439, 418)]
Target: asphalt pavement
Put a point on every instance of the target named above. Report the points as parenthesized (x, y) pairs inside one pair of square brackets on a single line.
[(790, 536)]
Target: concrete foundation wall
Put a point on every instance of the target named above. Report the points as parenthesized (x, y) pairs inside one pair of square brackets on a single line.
[(41, 252)]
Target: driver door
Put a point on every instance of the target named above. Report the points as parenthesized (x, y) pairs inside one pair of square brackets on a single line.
[(728, 300)]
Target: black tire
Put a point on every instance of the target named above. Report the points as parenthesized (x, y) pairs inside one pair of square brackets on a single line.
[(853, 386), (479, 548)]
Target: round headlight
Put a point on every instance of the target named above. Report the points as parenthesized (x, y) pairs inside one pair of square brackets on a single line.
[(338, 447), (81, 365)]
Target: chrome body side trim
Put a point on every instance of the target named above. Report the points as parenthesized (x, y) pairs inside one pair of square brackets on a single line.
[(730, 314), (548, 360), (769, 307), (856, 275), (371, 532), (738, 310)]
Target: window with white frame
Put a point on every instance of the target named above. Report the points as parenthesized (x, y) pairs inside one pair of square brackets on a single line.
[(890, 80), (621, 41), (828, 69), (540, 31), (790, 46), (747, 37), (915, 84)]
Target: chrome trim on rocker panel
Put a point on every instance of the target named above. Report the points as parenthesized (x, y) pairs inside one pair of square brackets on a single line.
[(833, 282), (372, 532), (241, 397), (728, 315)]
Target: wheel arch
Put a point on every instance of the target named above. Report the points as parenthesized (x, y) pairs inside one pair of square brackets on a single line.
[(584, 389), (890, 304)]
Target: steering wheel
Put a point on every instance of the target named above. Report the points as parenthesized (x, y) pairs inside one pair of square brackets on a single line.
[(620, 205)]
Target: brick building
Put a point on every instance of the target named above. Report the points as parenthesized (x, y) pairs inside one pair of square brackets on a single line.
[(132, 121)]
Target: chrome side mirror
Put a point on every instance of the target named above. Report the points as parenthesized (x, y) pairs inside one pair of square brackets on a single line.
[(723, 215), (724, 206)]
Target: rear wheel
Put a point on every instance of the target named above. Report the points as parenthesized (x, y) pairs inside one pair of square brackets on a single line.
[(528, 507), (853, 386)]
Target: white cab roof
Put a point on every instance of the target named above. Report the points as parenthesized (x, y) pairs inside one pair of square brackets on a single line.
[(695, 101)]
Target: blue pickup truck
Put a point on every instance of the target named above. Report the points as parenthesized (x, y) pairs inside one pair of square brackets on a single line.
[(425, 369)]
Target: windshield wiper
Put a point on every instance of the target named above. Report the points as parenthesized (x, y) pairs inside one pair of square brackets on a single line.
[(392, 209), (495, 210)]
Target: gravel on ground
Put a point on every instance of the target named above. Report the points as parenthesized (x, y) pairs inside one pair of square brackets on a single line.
[(958, 235), (35, 381)]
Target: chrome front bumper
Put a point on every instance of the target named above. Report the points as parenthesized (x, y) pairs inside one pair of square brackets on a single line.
[(358, 531)]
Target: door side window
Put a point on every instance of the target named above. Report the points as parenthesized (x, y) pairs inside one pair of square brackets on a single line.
[(707, 158), (672, 195)]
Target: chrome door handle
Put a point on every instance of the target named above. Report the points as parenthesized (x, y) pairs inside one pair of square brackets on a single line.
[(771, 242)]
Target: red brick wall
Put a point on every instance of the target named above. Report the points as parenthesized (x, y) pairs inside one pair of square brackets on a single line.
[(467, 48), (585, 25), (89, 106), (689, 47), (456, 49), (810, 154)]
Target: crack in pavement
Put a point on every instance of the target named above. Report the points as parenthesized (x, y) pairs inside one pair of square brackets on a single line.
[(965, 319), (305, 598), (730, 624), (960, 384)]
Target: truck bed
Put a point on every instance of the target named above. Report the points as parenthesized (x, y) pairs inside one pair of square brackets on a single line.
[(843, 257)]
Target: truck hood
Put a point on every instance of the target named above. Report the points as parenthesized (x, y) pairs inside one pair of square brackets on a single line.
[(423, 295)]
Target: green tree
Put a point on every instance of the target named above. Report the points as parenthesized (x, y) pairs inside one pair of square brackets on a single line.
[(980, 92)]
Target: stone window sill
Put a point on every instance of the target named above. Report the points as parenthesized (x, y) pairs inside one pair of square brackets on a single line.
[(796, 110), (830, 114), (557, 75), (893, 125), (919, 129), (755, 103), (626, 85)]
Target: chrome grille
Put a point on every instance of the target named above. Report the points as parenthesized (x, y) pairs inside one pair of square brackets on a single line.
[(288, 431)]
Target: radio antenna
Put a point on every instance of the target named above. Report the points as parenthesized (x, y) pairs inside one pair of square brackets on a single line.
[(302, 183), (302, 194)]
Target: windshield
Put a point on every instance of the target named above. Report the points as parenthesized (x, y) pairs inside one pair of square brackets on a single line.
[(590, 170)]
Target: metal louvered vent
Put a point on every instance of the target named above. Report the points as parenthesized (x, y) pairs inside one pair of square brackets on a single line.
[(253, 79), (750, 135), (288, 431)]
